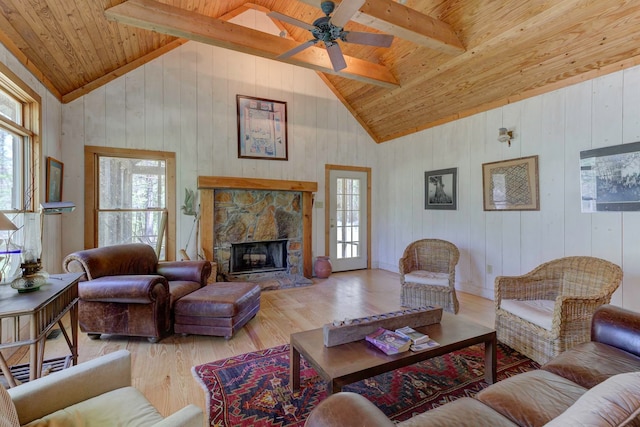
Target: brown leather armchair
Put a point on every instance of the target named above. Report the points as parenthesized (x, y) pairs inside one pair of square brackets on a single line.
[(126, 291)]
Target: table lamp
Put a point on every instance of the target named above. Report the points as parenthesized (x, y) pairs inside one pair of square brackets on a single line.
[(5, 246)]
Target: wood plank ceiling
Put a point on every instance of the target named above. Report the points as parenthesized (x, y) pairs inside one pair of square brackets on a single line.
[(449, 58)]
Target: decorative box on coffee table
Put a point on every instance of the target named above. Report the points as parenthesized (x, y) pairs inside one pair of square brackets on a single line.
[(341, 332)]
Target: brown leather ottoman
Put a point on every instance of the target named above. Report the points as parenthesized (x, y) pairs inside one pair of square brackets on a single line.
[(218, 309)]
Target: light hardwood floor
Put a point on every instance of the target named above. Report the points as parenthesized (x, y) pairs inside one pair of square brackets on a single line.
[(162, 371)]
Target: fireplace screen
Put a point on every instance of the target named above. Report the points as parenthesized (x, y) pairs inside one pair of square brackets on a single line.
[(255, 257)]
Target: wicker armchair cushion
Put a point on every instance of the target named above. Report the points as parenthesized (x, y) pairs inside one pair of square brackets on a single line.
[(427, 278), (614, 402), (539, 312), (8, 414)]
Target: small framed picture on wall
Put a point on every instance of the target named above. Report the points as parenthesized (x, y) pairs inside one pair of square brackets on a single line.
[(54, 180), (262, 128), (441, 189)]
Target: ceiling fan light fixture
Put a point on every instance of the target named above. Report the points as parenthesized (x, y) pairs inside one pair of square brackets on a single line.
[(329, 29), (327, 7)]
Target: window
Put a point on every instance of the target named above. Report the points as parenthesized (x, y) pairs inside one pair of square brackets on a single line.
[(19, 126), (131, 198)]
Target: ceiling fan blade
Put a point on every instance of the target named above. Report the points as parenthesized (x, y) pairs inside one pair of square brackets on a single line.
[(370, 39), (345, 11), (280, 17), (336, 57), (297, 49)]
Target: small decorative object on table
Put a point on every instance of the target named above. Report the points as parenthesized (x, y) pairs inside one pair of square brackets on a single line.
[(388, 341), (341, 332), (33, 277)]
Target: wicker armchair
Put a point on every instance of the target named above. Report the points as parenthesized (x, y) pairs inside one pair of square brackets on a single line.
[(549, 310), (428, 274)]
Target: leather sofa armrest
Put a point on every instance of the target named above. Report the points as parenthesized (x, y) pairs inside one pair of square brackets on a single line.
[(617, 327), (193, 271), (347, 409), (133, 289), (61, 389), (115, 260), (189, 416)]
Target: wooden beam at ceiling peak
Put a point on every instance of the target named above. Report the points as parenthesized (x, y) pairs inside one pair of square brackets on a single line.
[(162, 18), (405, 23)]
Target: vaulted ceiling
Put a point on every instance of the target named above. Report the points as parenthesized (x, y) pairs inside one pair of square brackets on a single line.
[(448, 59)]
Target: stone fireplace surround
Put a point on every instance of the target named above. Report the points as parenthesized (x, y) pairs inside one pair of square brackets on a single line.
[(293, 193)]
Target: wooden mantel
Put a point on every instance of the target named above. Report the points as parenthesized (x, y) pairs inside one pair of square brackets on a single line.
[(207, 185)]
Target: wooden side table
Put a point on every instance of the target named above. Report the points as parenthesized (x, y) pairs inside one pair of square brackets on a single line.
[(44, 309)]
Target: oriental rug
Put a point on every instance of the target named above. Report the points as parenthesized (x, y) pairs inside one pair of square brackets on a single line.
[(252, 389)]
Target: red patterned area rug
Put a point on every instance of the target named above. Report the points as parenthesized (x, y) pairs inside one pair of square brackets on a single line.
[(253, 389)]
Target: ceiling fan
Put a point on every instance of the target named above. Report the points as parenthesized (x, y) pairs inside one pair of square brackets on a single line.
[(329, 29)]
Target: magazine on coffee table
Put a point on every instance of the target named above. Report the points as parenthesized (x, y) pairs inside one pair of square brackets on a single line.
[(388, 341), (415, 336), (425, 345)]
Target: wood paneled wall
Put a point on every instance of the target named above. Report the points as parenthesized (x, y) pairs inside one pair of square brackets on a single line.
[(185, 101), (555, 126)]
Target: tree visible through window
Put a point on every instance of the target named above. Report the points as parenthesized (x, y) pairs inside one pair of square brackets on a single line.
[(15, 153), (132, 197), (20, 113), (132, 201)]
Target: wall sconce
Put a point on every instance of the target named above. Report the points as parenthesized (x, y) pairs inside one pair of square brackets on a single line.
[(505, 135)]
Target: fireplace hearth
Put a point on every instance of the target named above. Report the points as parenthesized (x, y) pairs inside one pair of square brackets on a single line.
[(258, 257)]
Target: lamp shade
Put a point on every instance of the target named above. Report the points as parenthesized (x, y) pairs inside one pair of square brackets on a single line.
[(5, 223)]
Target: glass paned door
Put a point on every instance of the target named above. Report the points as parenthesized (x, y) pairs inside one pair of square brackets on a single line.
[(348, 220)]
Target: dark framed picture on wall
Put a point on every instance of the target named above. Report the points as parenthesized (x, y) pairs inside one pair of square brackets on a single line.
[(610, 178), (54, 180), (441, 189), (262, 128)]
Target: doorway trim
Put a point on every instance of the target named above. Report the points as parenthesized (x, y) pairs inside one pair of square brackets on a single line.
[(327, 211)]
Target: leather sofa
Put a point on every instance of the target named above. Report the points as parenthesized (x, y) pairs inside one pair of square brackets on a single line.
[(595, 383), (94, 393), (126, 291)]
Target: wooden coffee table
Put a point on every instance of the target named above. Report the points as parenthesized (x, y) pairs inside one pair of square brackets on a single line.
[(347, 363)]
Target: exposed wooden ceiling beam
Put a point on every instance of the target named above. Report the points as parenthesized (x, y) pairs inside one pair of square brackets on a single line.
[(166, 19), (405, 23)]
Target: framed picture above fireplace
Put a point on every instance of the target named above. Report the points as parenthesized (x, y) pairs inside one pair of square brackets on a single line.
[(262, 128)]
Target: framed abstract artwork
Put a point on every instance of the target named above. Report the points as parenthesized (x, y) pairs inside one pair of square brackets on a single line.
[(511, 185), (262, 128), (441, 189)]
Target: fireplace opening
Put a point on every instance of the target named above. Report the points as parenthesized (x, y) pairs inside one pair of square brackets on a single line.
[(256, 257)]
